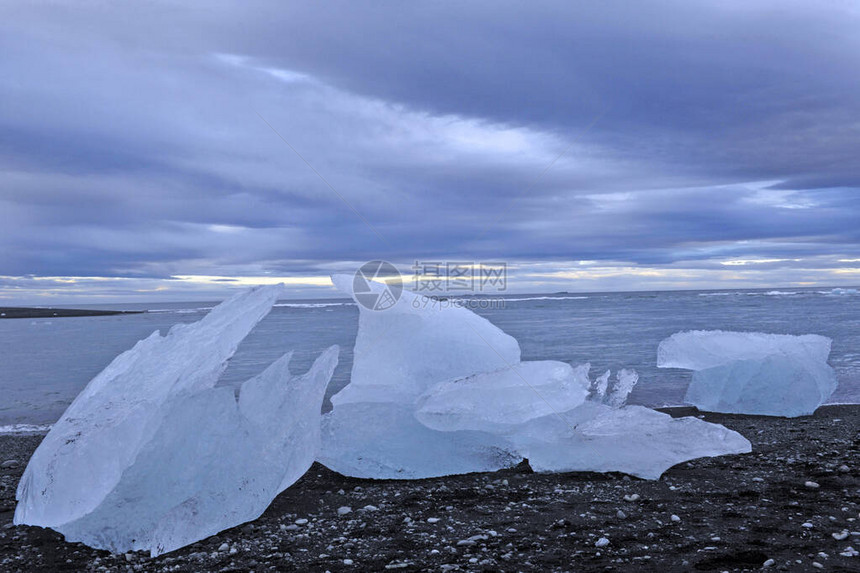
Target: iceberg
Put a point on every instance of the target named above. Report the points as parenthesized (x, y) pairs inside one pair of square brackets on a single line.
[(151, 455), (752, 373), (437, 390)]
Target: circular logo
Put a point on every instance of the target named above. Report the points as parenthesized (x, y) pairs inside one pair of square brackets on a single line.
[(387, 288)]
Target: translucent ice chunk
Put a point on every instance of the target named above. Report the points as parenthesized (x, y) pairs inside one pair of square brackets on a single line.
[(98, 437), (625, 380), (600, 385), (496, 400), (700, 349), (385, 441), (632, 439), (402, 351), (776, 385), (752, 373), (151, 456), (213, 464)]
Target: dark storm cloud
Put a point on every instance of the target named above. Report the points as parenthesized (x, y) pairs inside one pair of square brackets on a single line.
[(130, 143)]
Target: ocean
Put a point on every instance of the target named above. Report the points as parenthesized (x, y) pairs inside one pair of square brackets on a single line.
[(44, 363)]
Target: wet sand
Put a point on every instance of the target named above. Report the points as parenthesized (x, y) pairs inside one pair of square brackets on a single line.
[(792, 503)]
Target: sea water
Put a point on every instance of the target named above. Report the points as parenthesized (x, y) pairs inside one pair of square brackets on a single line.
[(44, 363)]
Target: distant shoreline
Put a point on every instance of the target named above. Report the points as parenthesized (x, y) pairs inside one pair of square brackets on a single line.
[(25, 312)]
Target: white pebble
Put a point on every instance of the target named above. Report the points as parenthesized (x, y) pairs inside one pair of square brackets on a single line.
[(812, 485), (620, 514), (807, 525), (602, 542), (224, 547), (344, 509), (432, 520), (840, 535), (632, 497), (347, 562), (769, 563), (675, 518), (301, 521)]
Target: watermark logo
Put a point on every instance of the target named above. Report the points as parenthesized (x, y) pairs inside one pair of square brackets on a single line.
[(449, 277), (387, 292)]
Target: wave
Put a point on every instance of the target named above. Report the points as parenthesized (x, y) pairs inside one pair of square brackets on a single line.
[(180, 310), (546, 298), (24, 429), (313, 304), (741, 293), (478, 299), (839, 291)]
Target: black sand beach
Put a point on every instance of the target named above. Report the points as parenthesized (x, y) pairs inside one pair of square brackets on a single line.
[(791, 505)]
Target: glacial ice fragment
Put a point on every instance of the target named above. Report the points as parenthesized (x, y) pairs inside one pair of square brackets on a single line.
[(84, 455), (401, 351), (550, 422), (776, 385), (625, 380), (752, 373), (700, 349), (600, 385), (631, 439), (152, 456), (500, 399), (384, 441)]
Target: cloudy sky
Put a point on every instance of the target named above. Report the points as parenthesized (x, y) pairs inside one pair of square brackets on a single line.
[(176, 150)]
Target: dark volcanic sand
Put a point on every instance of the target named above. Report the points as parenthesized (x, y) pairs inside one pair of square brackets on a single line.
[(733, 514)]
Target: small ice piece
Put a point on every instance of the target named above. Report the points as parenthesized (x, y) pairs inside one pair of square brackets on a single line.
[(598, 390), (493, 401), (752, 373), (632, 439), (384, 441), (152, 457), (418, 342), (625, 380)]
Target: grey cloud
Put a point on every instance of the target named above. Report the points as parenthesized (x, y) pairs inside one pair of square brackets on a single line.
[(130, 143)]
